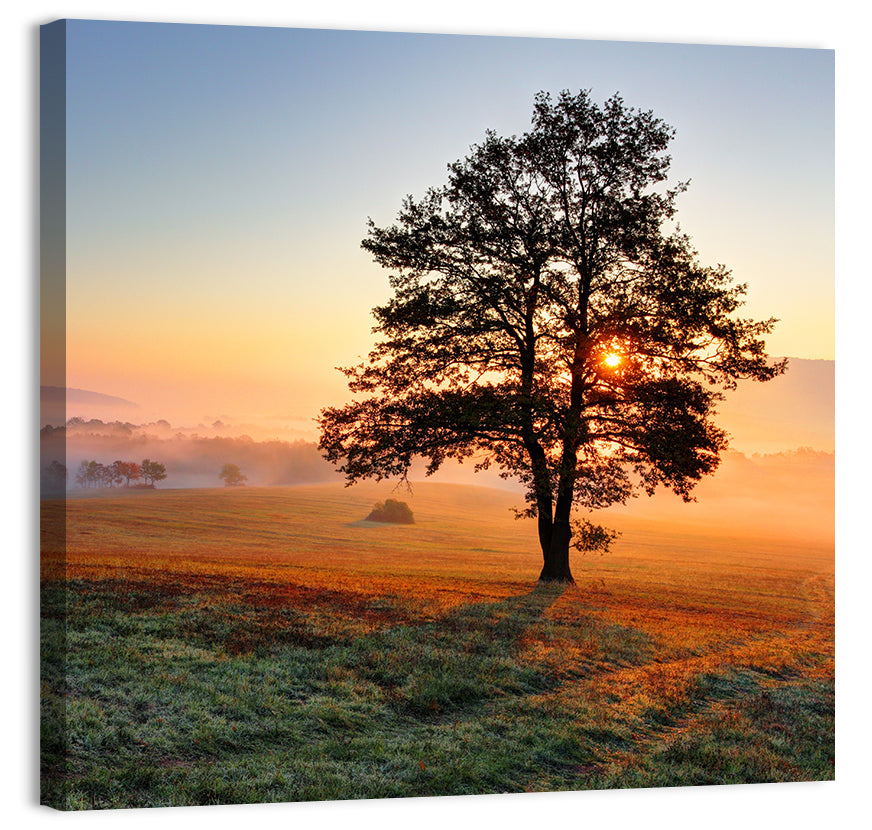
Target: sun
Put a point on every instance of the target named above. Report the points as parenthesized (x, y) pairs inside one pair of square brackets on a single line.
[(612, 360)]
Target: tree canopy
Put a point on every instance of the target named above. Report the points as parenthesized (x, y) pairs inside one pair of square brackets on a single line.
[(152, 471), (232, 476), (549, 317)]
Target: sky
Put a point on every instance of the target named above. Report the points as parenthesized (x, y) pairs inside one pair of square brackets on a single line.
[(219, 180)]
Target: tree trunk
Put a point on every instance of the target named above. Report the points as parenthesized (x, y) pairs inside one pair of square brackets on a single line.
[(556, 566), (542, 487), (556, 558)]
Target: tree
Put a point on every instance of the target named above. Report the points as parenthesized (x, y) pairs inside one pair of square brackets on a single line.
[(92, 473), (82, 477), (549, 319), (152, 471), (129, 471), (232, 476), (115, 473), (102, 474)]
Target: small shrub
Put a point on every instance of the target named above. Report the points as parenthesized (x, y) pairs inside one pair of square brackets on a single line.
[(392, 512)]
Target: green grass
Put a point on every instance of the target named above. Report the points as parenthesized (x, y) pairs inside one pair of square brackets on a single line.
[(234, 679), (164, 708)]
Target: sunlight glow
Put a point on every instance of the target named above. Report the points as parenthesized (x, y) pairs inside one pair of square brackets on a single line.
[(612, 360)]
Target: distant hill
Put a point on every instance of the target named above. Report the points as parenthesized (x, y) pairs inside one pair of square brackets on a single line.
[(59, 393), (794, 410), (57, 405)]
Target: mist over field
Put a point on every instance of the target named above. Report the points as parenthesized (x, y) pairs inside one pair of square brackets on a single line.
[(796, 409), (787, 496), (193, 458), (778, 480)]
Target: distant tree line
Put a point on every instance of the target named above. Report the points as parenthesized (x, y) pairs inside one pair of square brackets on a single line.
[(120, 474), (195, 460)]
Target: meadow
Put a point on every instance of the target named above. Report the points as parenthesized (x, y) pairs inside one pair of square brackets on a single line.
[(267, 644)]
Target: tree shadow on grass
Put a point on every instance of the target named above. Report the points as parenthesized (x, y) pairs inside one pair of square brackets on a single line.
[(471, 654), (509, 618)]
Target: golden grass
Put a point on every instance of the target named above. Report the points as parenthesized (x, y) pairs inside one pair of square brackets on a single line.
[(636, 654), (705, 599), (465, 546)]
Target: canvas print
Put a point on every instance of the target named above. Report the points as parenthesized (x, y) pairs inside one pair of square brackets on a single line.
[(429, 415)]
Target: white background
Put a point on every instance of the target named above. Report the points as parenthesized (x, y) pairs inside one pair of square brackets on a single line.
[(839, 25)]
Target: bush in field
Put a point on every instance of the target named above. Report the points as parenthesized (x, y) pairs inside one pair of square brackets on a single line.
[(391, 511)]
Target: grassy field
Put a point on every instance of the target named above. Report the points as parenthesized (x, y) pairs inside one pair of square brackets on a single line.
[(266, 644)]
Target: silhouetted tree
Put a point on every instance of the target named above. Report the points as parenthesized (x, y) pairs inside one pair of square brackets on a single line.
[(546, 319), (232, 476)]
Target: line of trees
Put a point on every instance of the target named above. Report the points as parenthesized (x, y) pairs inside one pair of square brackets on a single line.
[(119, 473)]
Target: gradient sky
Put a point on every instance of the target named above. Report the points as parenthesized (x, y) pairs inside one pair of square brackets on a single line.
[(219, 180)]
